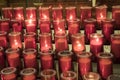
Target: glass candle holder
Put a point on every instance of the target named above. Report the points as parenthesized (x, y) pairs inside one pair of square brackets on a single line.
[(57, 13), (3, 39), (13, 58), (105, 64), (115, 47), (30, 58), (30, 40), (90, 27), (30, 25), (65, 61), (68, 75), (44, 26), (45, 40), (96, 43), (15, 40), (78, 43), (19, 13), (28, 74), (84, 63), (8, 73), (85, 12), (47, 60), (44, 13), (5, 25), (91, 76), (31, 13), (71, 13), (2, 58), (108, 29), (48, 74), (59, 26), (114, 77), (61, 43), (7, 12)]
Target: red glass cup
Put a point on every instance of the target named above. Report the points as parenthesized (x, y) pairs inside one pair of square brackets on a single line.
[(3, 39), (59, 26), (2, 58), (105, 64), (30, 58), (30, 25), (28, 74), (44, 26), (108, 29), (13, 58), (57, 13), (45, 40), (84, 63), (91, 76), (7, 12), (47, 60), (115, 47), (5, 25), (65, 61), (9, 73), (71, 13), (18, 13), (31, 13), (68, 75), (114, 77), (78, 43), (96, 43), (90, 27), (61, 43), (30, 40), (15, 40), (48, 74), (85, 12), (44, 13)]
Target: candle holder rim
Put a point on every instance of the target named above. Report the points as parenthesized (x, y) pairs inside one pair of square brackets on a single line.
[(53, 8), (4, 20), (13, 70), (29, 51), (115, 35), (86, 54), (95, 35), (75, 20), (108, 20), (30, 34), (53, 74), (105, 55), (66, 51), (71, 72), (17, 8), (70, 7), (31, 8), (42, 20), (5, 8), (44, 34), (101, 7), (28, 73), (30, 20), (11, 50), (3, 33), (78, 35), (14, 33), (59, 20), (116, 6), (90, 20), (46, 53), (85, 7), (113, 75), (15, 20), (61, 35)]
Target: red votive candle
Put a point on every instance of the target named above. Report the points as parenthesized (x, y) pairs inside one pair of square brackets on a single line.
[(61, 43), (68, 75), (5, 25), (3, 39), (31, 13), (30, 60), (57, 13), (85, 12), (108, 29), (7, 12), (8, 73), (105, 65), (115, 47), (84, 63), (30, 25), (2, 58), (91, 76), (44, 13), (15, 40), (71, 13), (48, 74), (13, 58), (19, 13), (59, 26), (96, 43), (45, 40), (46, 59), (44, 26), (90, 27), (28, 74), (30, 40), (78, 43)]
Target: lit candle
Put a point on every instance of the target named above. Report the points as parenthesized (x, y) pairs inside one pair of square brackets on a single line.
[(2, 58), (31, 13), (7, 12), (5, 25), (3, 39)]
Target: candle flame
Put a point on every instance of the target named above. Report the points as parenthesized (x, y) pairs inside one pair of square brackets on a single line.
[(30, 21), (31, 16), (71, 17), (101, 15), (45, 17), (19, 15), (16, 43)]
